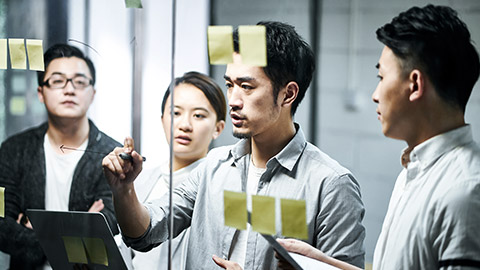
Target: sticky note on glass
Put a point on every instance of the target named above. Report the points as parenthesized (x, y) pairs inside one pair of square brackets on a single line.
[(235, 209), (253, 44), (294, 218), (2, 202), (18, 105), (3, 53), (75, 249), (96, 251), (263, 214), (18, 57), (133, 3), (35, 54), (220, 44)]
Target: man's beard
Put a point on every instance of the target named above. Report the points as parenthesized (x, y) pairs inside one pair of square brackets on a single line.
[(242, 135)]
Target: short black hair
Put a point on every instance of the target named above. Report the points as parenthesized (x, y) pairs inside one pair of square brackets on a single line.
[(289, 58), (208, 86), (435, 41), (60, 51)]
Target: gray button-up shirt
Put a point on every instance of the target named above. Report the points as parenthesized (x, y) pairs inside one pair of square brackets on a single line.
[(300, 171)]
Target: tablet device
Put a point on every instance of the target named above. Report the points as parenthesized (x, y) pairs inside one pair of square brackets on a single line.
[(282, 252), (63, 234)]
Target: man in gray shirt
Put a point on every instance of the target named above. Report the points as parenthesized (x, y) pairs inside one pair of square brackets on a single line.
[(272, 159)]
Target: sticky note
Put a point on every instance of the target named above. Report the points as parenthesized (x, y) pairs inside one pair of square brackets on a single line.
[(220, 44), (96, 251), (18, 105), (133, 3), (294, 220), (3, 53), (75, 249), (18, 57), (235, 209), (253, 45), (35, 54), (2, 202), (263, 214)]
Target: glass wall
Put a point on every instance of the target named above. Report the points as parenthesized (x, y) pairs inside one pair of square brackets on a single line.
[(131, 49)]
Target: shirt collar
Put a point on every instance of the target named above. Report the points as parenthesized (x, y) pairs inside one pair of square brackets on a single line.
[(430, 150), (287, 157)]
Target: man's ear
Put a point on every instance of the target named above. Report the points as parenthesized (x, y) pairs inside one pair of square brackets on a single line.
[(40, 94), (93, 96), (219, 126), (290, 94), (416, 85)]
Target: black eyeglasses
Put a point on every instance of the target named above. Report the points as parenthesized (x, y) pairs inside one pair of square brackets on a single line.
[(59, 81)]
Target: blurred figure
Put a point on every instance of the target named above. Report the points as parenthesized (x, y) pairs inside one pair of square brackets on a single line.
[(199, 117), (427, 71), (37, 174)]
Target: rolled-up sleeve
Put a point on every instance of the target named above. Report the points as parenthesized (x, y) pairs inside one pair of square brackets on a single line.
[(340, 230)]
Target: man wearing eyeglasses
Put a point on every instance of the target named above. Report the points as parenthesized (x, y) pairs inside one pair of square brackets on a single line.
[(37, 174)]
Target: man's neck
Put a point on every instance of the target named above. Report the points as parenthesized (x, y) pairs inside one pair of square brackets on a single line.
[(265, 146), (69, 132), (437, 123)]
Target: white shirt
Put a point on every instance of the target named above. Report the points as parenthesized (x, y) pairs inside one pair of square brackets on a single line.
[(433, 218), (239, 250), (151, 185), (59, 175)]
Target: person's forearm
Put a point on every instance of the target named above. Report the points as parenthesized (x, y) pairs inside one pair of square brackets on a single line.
[(340, 264), (132, 216), (318, 255)]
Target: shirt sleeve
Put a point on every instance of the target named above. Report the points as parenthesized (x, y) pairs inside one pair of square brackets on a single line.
[(340, 232), (455, 233), (183, 203)]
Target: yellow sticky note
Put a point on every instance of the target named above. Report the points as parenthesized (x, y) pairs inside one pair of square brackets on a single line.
[(35, 54), (253, 44), (133, 3), (18, 57), (235, 209), (18, 105), (2, 202), (263, 214), (294, 218), (3, 53), (75, 249), (96, 251), (220, 44)]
